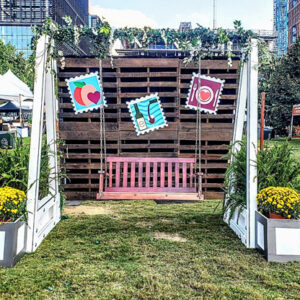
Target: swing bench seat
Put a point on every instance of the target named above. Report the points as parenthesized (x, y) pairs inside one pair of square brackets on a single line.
[(133, 178)]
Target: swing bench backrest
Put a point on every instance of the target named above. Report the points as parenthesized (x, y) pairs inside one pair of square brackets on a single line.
[(148, 175)]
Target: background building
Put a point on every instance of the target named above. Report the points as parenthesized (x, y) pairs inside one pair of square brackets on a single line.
[(294, 21), (94, 20), (185, 26), (17, 17), (281, 26), (268, 36)]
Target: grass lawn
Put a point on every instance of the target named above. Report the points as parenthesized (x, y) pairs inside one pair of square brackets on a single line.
[(141, 250)]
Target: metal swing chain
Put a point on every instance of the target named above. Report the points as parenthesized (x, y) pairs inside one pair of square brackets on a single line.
[(198, 130), (104, 138), (102, 131), (196, 145)]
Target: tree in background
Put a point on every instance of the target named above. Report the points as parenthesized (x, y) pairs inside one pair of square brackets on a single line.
[(17, 63), (280, 79)]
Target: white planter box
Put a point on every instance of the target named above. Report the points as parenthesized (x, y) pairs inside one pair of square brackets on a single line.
[(277, 239), (12, 242), (22, 132)]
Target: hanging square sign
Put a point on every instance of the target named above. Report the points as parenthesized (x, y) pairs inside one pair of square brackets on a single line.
[(209, 93), (86, 92), (147, 114)]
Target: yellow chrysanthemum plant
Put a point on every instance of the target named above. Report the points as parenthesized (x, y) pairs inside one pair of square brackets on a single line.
[(282, 201), (12, 204)]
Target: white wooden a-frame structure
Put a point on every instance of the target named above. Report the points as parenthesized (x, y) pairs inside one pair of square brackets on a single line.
[(243, 221), (43, 214)]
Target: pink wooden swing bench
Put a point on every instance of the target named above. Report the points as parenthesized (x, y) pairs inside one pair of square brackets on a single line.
[(157, 179)]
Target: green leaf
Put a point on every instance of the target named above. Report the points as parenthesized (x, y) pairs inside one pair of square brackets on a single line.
[(79, 84), (104, 30)]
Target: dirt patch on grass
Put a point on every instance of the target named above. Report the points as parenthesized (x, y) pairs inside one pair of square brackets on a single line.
[(86, 210), (144, 224), (167, 220), (170, 237)]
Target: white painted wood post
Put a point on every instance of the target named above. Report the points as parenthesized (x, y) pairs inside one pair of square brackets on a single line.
[(240, 111), (36, 138), (43, 214), (238, 222), (240, 114), (51, 113), (252, 121)]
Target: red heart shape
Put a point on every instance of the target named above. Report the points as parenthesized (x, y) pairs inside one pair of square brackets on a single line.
[(94, 97), (205, 95)]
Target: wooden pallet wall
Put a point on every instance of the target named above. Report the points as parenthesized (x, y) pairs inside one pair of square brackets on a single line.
[(133, 78)]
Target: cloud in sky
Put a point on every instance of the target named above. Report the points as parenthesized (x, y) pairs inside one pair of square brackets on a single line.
[(123, 17), (254, 14)]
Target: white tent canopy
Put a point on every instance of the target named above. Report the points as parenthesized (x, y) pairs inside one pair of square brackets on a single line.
[(12, 89)]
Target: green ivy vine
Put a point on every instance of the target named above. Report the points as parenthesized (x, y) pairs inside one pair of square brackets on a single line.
[(101, 38)]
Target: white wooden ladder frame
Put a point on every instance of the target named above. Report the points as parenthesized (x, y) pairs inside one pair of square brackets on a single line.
[(43, 214), (243, 220)]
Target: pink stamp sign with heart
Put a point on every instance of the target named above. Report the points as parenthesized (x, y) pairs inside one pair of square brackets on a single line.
[(205, 96)]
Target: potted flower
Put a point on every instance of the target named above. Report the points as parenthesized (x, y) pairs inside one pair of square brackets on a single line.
[(277, 224), (12, 225)]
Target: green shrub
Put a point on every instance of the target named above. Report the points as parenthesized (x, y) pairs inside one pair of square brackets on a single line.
[(276, 166), (14, 165), (235, 178)]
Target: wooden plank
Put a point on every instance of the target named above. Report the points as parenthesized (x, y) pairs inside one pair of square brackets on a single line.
[(150, 190), (110, 173), (191, 174), (184, 182), (117, 174), (177, 174), (214, 195), (151, 196), (140, 174), (169, 174), (147, 174), (132, 171), (75, 195), (211, 64), (221, 76), (155, 135), (125, 174), (155, 159), (155, 174), (162, 175)]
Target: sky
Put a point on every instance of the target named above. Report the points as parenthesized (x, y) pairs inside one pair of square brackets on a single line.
[(254, 14)]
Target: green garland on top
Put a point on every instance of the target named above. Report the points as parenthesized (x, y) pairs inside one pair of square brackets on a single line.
[(102, 37), (184, 40)]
